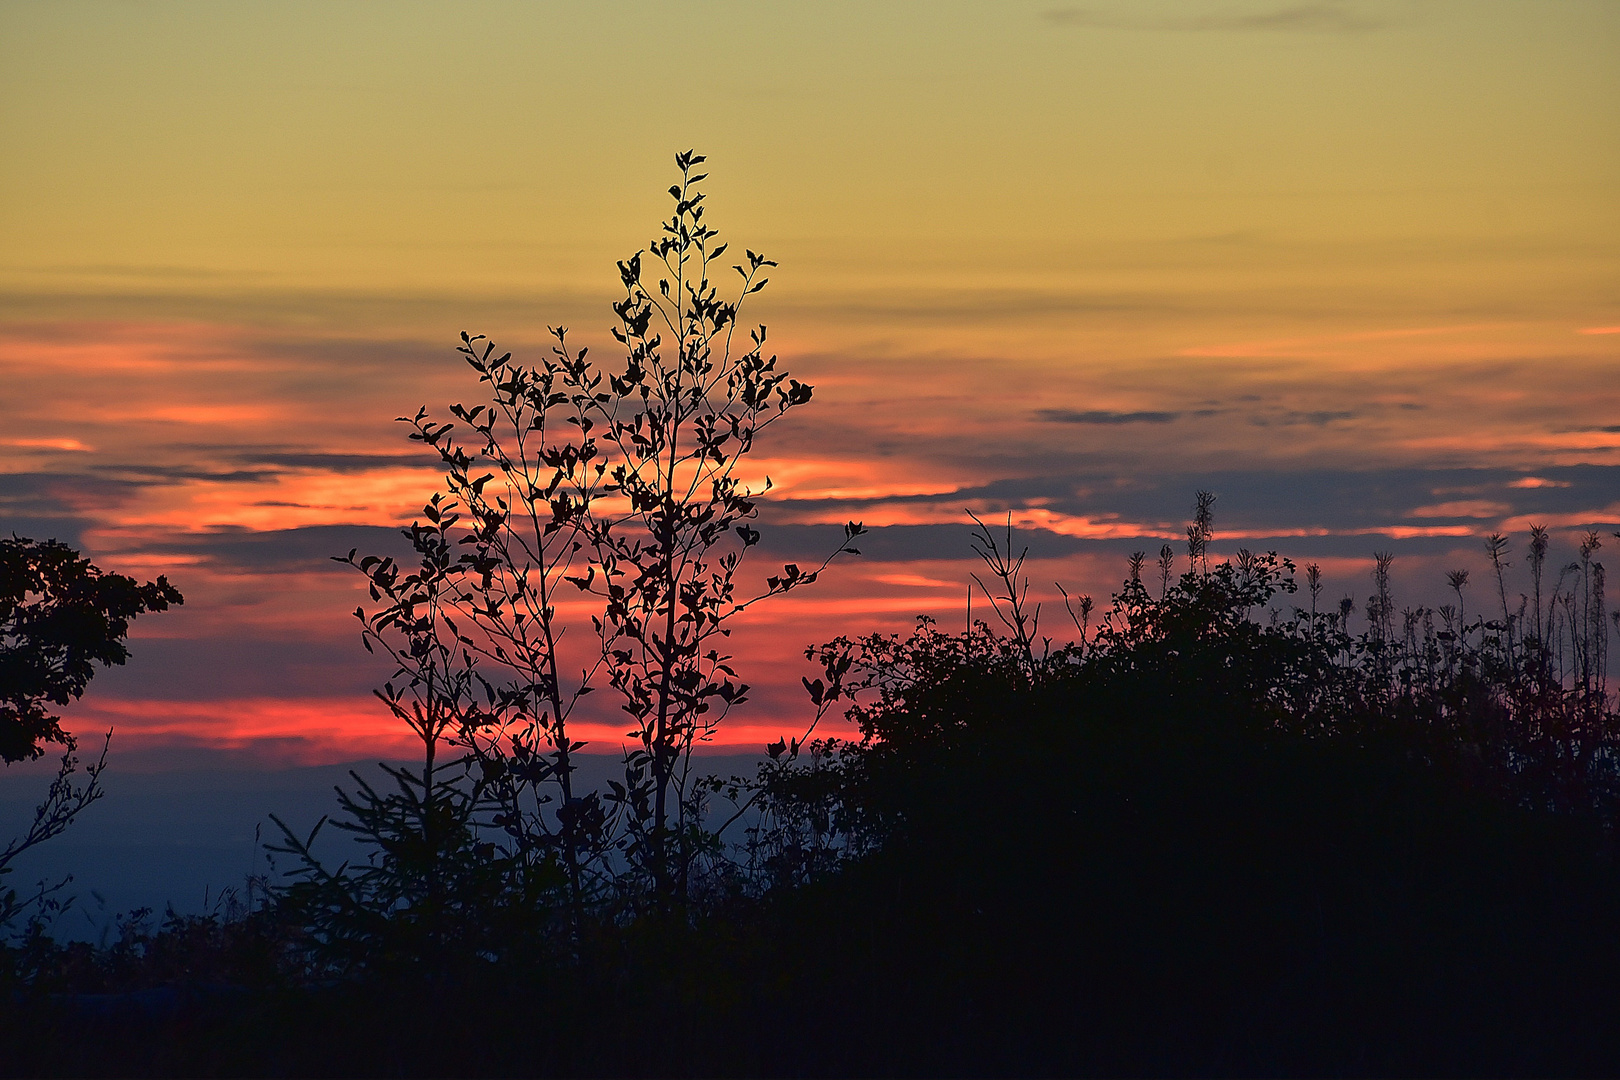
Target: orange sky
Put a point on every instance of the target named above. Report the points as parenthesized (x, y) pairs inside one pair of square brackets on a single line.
[(1352, 266)]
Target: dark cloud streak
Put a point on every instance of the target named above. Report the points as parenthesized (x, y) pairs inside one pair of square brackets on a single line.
[(1299, 18), (1251, 500), (336, 462), (1099, 416), (277, 550)]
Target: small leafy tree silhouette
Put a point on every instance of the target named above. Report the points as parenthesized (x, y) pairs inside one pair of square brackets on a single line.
[(621, 488), (60, 615)]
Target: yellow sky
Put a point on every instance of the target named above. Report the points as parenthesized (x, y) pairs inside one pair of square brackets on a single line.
[(1344, 156)]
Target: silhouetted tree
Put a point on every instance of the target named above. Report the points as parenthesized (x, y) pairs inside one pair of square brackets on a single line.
[(59, 616), (590, 537)]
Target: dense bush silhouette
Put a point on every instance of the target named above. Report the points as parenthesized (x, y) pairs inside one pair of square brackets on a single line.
[(1208, 840)]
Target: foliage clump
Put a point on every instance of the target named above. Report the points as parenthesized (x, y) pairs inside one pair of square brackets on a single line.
[(60, 616), (1518, 704)]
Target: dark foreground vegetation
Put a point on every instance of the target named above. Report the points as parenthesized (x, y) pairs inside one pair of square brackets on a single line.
[(1227, 829), (1204, 839)]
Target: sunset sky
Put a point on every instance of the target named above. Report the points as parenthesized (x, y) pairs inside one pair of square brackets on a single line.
[(1355, 267)]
